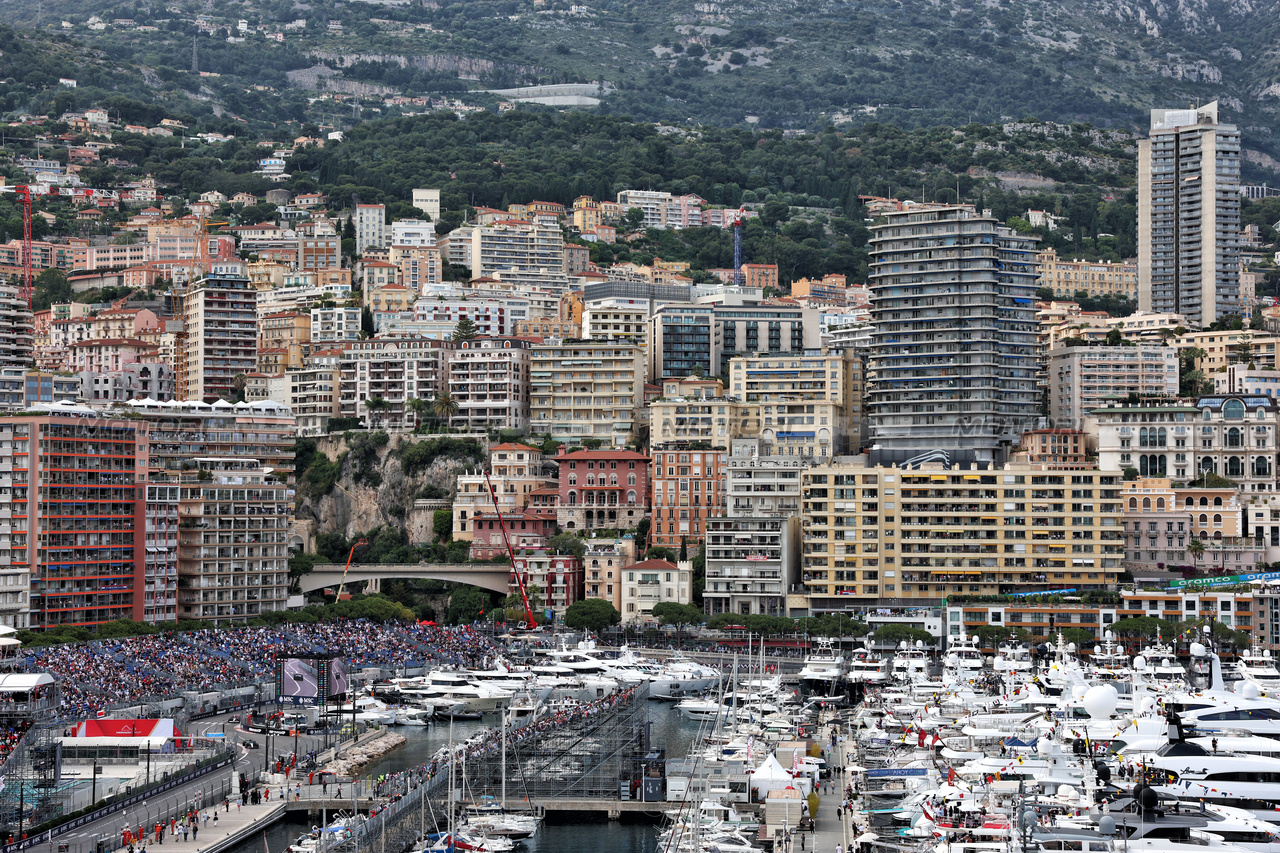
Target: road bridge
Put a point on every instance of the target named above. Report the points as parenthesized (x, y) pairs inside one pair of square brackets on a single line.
[(490, 576)]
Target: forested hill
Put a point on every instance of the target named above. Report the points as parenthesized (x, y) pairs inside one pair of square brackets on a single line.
[(727, 62), (806, 187)]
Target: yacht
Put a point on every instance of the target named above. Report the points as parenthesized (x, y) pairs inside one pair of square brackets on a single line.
[(443, 687), (1259, 668), (867, 667), (1109, 661), (824, 673), (1163, 669), (964, 659), (680, 677), (910, 663)]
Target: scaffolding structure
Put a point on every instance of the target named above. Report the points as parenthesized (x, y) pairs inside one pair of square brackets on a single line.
[(592, 756)]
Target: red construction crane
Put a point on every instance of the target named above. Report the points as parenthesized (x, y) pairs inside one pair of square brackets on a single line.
[(28, 281)]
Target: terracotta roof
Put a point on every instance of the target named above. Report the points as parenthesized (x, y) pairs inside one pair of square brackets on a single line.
[(510, 445), (131, 342), (629, 455), (660, 565)]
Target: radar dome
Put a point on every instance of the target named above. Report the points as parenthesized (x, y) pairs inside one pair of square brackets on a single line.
[(1139, 663), (1146, 704), (953, 660), (1100, 701), (1198, 650), (1107, 825), (1249, 690), (1078, 691), (1097, 650)]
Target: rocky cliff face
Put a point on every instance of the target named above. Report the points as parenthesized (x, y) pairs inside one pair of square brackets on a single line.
[(354, 506)]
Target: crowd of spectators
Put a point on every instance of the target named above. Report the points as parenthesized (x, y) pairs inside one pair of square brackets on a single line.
[(102, 674)]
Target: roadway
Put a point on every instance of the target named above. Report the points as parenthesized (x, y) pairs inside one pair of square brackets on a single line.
[(178, 800)]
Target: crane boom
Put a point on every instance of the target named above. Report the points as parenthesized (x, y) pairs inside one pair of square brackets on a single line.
[(528, 611)]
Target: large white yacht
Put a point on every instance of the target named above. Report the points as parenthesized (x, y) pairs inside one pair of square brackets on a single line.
[(867, 667), (910, 663), (964, 659), (1259, 668), (824, 672)]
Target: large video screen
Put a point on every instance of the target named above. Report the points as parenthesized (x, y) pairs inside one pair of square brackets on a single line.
[(303, 679)]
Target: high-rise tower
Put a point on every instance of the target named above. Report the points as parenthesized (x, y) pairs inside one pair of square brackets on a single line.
[(1189, 216)]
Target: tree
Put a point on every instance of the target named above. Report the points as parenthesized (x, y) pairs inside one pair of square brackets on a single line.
[(991, 636), (1114, 338), (1130, 473), (51, 287), (674, 613), (1196, 549), (567, 543), (420, 408), (633, 218), (367, 327), (895, 634), (1142, 626), (445, 407), (684, 548), (442, 525), (1080, 636), (377, 404), (466, 605), (591, 614), (465, 330), (658, 552)]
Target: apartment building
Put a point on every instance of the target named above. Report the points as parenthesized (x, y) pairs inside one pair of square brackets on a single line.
[(1094, 278), (318, 252), (953, 350), (1081, 379), (602, 488), (21, 387), (810, 402), (519, 252), (685, 339), (604, 322), (489, 379), (314, 394), (1225, 348), (1062, 449), (603, 564), (921, 534), (1239, 379), (17, 335), (515, 472), (688, 488), (751, 565), (585, 389), (371, 227), (711, 421), (1189, 215), (71, 519), (334, 325), (555, 579), (428, 201), (419, 266), (1161, 518), (220, 318), (749, 330), (289, 331), (227, 467), (153, 380), (233, 540), (649, 583), (394, 371), (389, 298), (831, 288), (1232, 436), (491, 317)]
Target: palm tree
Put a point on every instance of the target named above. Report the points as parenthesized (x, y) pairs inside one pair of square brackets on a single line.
[(420, 409), (1196, 549), (376, 404), (445, 406)]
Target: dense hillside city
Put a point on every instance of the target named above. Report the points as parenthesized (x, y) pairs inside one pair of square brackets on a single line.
[(839, 378)]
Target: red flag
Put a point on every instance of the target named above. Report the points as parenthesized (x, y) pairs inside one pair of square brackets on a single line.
[(951, 774)]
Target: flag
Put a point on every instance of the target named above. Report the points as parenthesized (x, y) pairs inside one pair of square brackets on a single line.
[(751, 749), (951, 775), (795, 760)]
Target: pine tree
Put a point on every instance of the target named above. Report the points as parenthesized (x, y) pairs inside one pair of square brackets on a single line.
[(465, 330)]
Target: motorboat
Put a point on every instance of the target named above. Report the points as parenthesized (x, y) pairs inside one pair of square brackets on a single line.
[(411, 716), (910, 663), (965, 662), (867, 667), (824, 673), (1258, 667)]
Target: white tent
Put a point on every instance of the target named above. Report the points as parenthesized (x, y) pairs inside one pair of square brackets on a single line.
[(772, 776)]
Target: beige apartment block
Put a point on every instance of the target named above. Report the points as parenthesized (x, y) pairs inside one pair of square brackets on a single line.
[(922, 534)]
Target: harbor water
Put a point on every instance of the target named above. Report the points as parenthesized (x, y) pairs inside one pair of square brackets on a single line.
[(559, 834)]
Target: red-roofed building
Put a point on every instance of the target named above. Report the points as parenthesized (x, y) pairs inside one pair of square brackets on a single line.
[(602, 488), (105, 355)]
